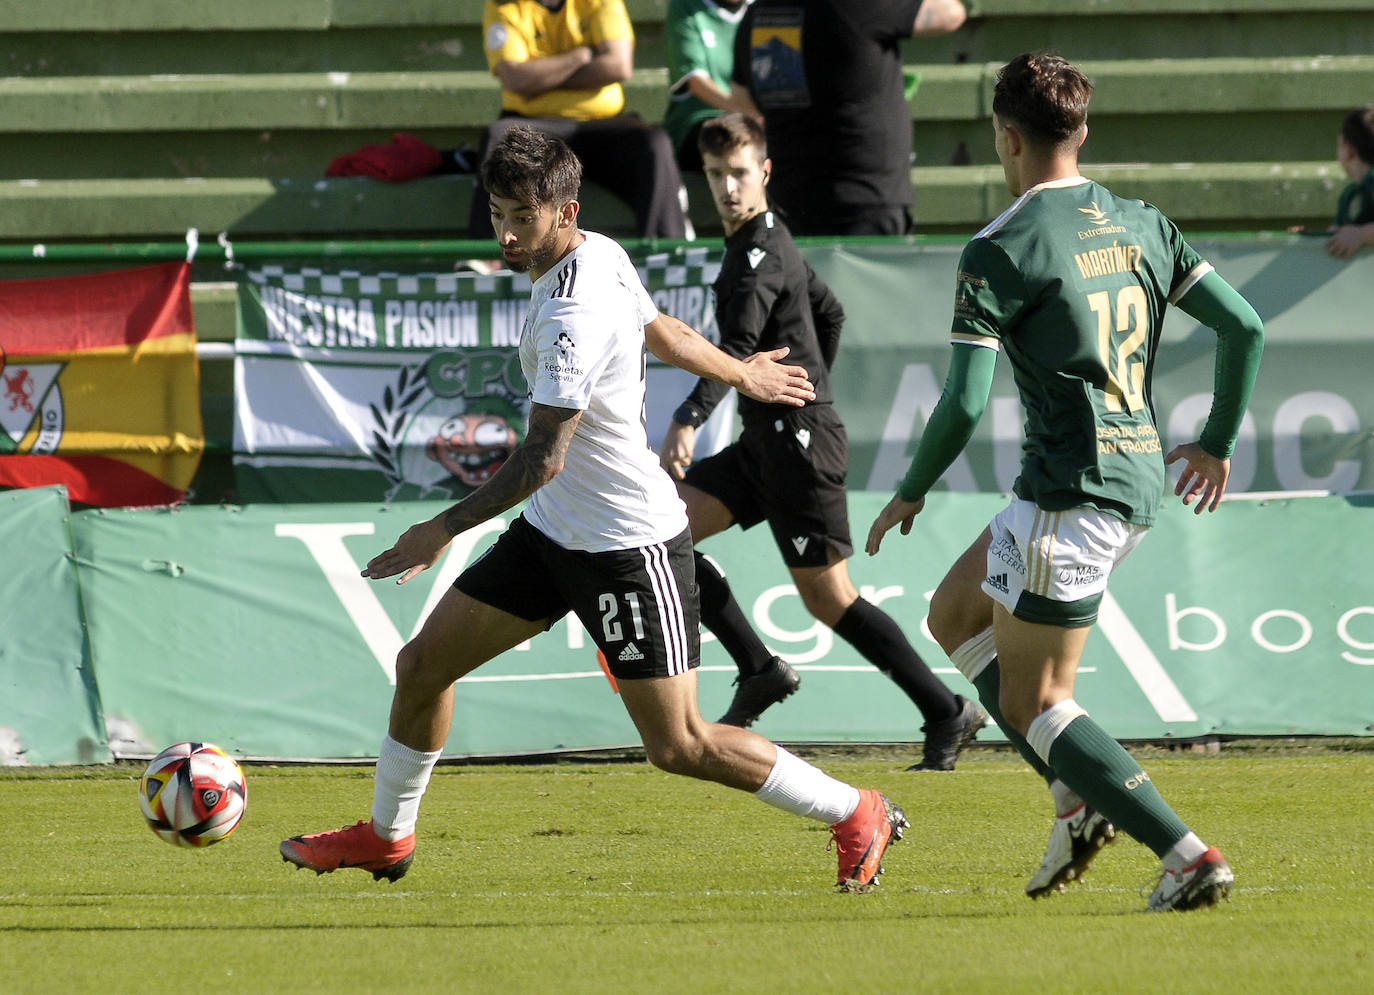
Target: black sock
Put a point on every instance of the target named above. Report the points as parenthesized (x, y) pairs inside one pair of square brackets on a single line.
[(721, 613), (882, 643)]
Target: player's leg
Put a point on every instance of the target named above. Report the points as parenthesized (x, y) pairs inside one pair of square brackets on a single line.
[(678, 740), (951, 721), (1066, 558), (477, 619), (657, 684), (960, 619), (808, 512), (634, 158), (717, 494), (707, 515)]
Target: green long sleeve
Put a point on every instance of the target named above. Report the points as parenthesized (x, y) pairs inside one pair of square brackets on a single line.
[(951, 424), (1240, 342)]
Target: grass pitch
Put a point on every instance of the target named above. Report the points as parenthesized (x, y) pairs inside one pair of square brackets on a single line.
[(609, 876)]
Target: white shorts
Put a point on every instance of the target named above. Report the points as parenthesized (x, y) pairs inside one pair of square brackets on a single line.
[(1051, 567)]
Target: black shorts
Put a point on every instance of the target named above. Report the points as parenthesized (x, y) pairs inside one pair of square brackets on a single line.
[(639, 605), (789, 471)]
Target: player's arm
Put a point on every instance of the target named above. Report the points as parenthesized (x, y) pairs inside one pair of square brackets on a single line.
[(607, 58), (704, 89), (741, 321), (1240, 343), (536, 461), (612, 61), (951, 425), (826, 313), (759, 375)]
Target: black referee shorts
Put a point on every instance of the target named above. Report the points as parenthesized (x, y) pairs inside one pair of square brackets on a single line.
[(789, 471)]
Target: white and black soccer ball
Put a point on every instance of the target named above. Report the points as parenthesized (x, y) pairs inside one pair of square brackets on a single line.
[(193, 794)]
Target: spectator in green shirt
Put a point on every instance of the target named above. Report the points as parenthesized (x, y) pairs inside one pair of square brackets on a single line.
[(701, 56)]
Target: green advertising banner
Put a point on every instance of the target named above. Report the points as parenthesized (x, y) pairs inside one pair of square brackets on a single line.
[(49, 706), (251, 627), (355, 386)]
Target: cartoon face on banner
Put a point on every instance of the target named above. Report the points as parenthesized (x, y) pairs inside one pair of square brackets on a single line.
[(473, 446), (445, 429)]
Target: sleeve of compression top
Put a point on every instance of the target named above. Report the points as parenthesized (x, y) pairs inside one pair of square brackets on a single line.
[(1240, 342), (951, 424)]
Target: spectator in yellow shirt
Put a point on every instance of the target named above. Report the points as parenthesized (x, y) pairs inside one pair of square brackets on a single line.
[(561, 64)]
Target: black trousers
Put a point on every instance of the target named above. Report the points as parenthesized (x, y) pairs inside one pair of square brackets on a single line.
[(622, 153)]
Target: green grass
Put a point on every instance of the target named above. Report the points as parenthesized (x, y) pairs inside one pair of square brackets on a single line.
[(613, 877)]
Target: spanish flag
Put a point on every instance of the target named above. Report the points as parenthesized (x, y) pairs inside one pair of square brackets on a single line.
[(99, 387)]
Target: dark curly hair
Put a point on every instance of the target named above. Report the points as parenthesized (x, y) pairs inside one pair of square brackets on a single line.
[(532, 167)]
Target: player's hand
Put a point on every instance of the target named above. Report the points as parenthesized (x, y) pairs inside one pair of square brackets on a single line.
[(419, 548), (675, 455), (772, 382), (897, 512), (1203, 478)]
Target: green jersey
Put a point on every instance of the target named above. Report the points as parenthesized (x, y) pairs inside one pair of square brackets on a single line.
[(1071, 282)]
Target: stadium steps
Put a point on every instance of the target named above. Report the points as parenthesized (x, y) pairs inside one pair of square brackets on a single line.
[(292, 124), (74, 37), (247, 153)]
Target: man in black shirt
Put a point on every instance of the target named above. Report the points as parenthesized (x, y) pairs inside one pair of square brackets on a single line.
[(827, 76), (789, 465)]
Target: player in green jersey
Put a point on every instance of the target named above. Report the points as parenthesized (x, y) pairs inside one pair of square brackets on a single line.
[(1071, 282)]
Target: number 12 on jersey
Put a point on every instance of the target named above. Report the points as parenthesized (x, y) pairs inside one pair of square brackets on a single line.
[(1125, 375)]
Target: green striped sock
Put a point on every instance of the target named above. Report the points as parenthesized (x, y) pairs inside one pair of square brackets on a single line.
[(1108, 778)]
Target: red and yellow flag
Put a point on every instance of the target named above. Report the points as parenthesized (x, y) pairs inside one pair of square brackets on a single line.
[(99, 386)]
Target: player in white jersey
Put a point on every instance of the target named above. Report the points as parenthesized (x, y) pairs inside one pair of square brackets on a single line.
[(603, 535), (582, 348)]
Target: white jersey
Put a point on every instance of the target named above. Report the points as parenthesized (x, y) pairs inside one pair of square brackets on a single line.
[(583, 347)]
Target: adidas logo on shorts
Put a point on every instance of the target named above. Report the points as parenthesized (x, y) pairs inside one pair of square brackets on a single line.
[(998, 581), (630, 654)]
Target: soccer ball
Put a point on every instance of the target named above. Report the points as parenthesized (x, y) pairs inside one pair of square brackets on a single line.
[(192, 794)]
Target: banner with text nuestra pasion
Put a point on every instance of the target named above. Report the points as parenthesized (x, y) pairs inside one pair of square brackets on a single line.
[(101, 391), (389, 386)]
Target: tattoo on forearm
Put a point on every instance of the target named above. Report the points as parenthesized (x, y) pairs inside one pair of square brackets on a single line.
[(533, 464)]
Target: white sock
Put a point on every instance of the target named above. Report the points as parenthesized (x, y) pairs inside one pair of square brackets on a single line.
[(402, 776), (1046, 727), (1185, 851), (1065, 799), (972, 657), (795, 786)]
